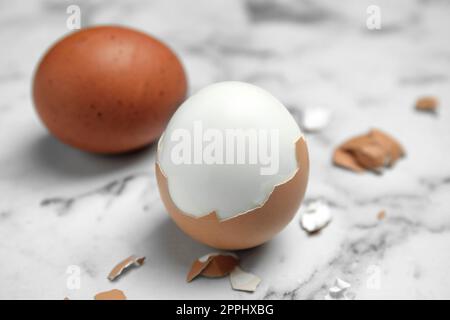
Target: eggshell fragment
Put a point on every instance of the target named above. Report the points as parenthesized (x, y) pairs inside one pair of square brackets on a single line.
[(250, 228), (213, 265), (124, 265), (108, 89), (220, 266), (316, 216), (371, 151), (381, 215), (427, 104), (339, 291), (315, 119), (113, 294), (346, 160), (392, 149), (244, 281)]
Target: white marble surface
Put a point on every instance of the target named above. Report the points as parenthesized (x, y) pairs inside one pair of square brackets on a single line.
[(61, 207)]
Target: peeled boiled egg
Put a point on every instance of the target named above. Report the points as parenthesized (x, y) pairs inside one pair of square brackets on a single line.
[(108, 89), (232, 166)]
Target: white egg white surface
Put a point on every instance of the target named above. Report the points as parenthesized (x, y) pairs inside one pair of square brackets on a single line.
[(228, 189)]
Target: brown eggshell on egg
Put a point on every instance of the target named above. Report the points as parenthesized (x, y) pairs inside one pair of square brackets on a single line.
[(253, 227), (108, 89)]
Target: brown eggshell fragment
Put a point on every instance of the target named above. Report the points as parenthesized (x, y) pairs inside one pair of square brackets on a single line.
[(213, 265), (253, 227), (346, 160), (381, 215), (196, 269), (371, 151), (124, 265), (370, 156), (356, 142), (108, 89), (220, 265), (114, 294), (428, 104), (389, 144)]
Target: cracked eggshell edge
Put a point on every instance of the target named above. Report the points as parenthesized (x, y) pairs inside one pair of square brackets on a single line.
[(250, 228)]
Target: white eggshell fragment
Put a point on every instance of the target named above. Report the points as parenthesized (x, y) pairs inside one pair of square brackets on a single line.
[(339, 291), (316, 216), (243, 281), (315, 119)]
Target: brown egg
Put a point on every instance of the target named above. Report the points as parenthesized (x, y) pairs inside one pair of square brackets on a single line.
[(108, 89), (251, 228)]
